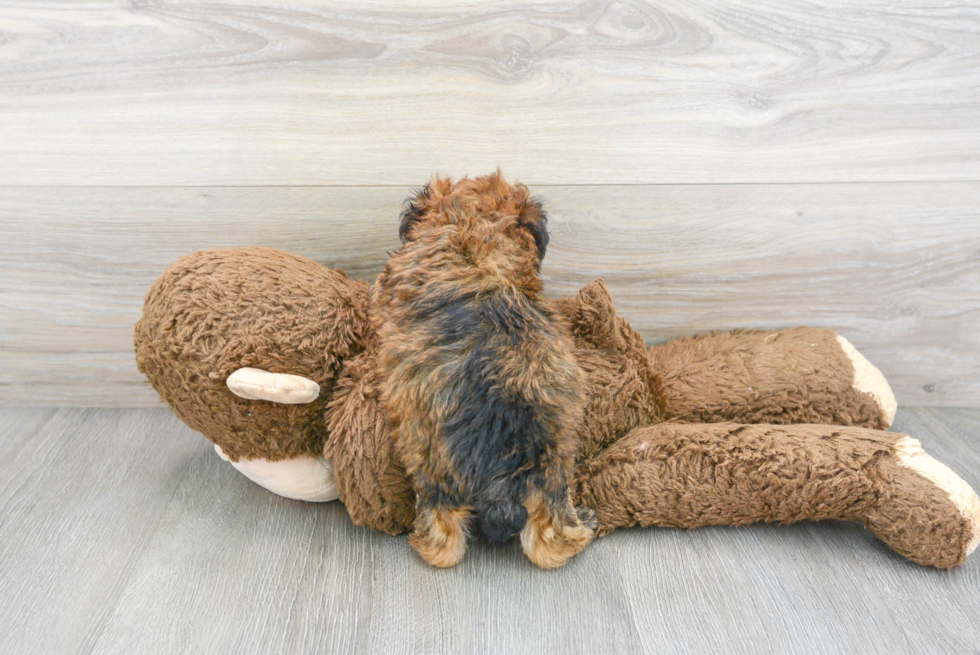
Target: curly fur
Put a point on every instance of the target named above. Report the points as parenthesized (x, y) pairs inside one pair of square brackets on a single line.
[(480, 380)]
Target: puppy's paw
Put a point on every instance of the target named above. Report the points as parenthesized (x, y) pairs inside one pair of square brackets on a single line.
[(552, 536), (440, 536), (587, 517)]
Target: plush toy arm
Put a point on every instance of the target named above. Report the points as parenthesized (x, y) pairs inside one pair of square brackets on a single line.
[(798, 375), (686, 476)]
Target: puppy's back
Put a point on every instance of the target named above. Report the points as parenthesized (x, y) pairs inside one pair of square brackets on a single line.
[(481, 386), (498, 391)]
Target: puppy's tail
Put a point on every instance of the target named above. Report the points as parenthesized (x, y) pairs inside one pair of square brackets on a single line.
[(502, 520)]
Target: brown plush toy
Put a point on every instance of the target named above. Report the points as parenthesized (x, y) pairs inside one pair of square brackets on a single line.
[(271, 357)]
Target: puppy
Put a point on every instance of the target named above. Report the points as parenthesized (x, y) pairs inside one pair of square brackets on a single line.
[(482, 391)]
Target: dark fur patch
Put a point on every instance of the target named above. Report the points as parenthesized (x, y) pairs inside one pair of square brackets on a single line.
[(454, 316), (497, 440), (412, 213), (536, 221)]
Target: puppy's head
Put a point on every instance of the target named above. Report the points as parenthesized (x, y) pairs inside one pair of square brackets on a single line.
[(484, 210)]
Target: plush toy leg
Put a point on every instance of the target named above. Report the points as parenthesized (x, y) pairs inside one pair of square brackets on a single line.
[(686, 476), (300, 478), (798, 375)]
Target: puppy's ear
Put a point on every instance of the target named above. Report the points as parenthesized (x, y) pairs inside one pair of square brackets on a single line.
[(412, 214), (535, 221)]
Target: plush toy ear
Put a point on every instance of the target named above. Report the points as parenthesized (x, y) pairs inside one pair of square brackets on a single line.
[(412, 214), (535, 221)]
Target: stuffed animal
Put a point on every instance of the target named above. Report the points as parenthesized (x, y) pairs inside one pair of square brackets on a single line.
[(272, 357)]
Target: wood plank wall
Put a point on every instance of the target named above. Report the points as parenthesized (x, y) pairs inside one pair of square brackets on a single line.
[(720, 164)]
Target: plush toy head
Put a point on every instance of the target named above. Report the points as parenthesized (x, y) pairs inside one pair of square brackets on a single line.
[(216, 311)]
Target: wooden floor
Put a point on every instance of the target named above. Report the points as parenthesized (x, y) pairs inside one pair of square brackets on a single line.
[(122, 532)]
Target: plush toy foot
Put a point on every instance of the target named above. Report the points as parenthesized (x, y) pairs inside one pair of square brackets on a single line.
[(868, 379), (928, 513), (300, 478), (686, 476)]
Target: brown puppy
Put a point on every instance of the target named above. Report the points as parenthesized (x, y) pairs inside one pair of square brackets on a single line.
[(481, 387)]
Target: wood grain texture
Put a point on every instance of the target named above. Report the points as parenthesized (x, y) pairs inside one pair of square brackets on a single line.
[(121, 531), (153, 92), (81, 492), (236, 569), (73, 277), (895, 268)]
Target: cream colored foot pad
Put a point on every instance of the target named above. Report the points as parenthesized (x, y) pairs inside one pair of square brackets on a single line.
[(868, 379)]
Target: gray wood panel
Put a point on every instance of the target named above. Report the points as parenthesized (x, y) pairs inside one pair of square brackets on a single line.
[(75, 264), (258, 92), (236, 569), (81, 493), (893, 267), (121, 531)]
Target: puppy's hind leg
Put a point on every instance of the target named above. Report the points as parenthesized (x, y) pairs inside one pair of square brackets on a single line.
[(555, 532), (440, 534)]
